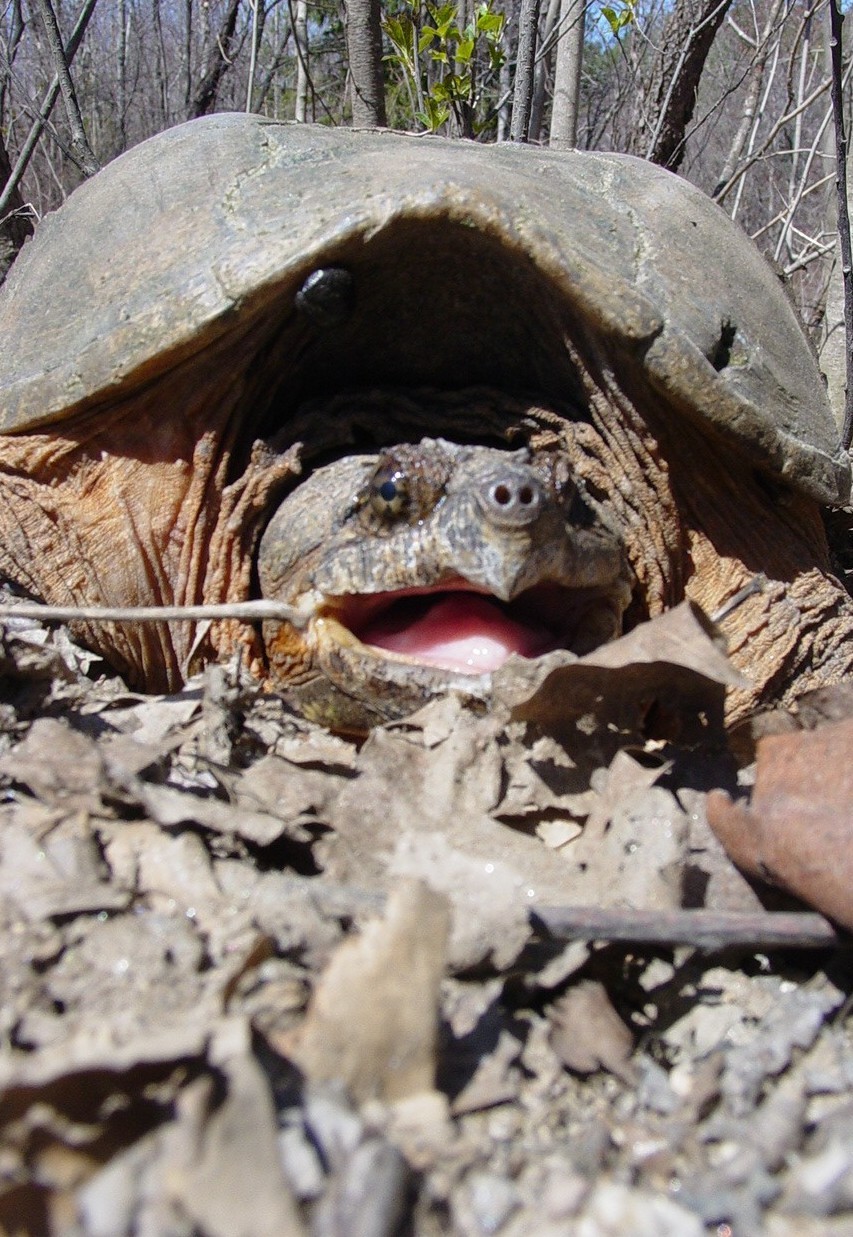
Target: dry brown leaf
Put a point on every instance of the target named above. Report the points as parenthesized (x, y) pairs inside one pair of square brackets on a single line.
[(490, 904), (634, 846), (51, 866), (168, 806), (667, 675), (404, 787), (206, 1166), (587, 1034), (373, 1019), (494, 1080), (798, 830), (58, 765), (152, 719), (288, 791)]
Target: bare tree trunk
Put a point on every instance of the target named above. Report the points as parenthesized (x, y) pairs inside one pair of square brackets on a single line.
[(544, 60), (188, 54), (528, 22), (505, 101), (16, 32), (666, 106), (750, 103), (300, 31), (82, 151), (831, 343), (160, 69), (567, 75), (844, 241), (257, 6), (122, 75), (364, 52), (204, 99)]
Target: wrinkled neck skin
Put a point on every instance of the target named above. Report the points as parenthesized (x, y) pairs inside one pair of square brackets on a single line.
[(133, 507), (699, 522), (138, 505)]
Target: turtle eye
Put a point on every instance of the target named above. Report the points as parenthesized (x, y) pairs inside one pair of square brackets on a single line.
[(389, 492)]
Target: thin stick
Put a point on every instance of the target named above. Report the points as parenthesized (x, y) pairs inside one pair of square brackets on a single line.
[(253, 57), (254, 611), (700, 929), (757, 584), (708, 930)]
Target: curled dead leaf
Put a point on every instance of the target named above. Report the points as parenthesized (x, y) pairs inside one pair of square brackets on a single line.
[(664, 678), (587, 1034), (798, 830), (372, 1023)]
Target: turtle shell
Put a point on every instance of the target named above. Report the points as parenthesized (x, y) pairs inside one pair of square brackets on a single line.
[(466, 264)]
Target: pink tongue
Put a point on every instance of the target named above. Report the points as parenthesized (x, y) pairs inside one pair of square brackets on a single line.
[(460, 631)]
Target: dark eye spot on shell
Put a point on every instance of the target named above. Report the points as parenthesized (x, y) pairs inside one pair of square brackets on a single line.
[(389, 492), (723, 352), (327, 297)]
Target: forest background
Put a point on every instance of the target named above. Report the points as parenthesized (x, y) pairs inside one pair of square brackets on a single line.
[(732, 94)]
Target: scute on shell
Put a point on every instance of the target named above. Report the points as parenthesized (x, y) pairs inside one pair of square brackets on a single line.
[(471, 264)]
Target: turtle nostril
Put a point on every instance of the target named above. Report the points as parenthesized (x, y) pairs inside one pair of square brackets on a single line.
[(512, 501)]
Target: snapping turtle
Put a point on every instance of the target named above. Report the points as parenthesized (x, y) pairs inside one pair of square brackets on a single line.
[(451, 401)]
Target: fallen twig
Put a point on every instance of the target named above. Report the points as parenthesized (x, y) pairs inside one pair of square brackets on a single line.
[(708, 930), (254, 611), (757, 584), (700, 929)]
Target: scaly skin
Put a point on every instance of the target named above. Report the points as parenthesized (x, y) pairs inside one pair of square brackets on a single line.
[(437, 517), (132, 506)]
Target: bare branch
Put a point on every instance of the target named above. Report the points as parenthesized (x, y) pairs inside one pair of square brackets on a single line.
[(777, 127), (709, 930), (253, 611), (79, 141), (14, 180)]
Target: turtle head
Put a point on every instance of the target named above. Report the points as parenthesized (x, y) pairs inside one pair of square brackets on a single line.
[(423, 568)]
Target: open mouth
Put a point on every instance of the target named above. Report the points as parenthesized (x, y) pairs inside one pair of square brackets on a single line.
[(457, 628)]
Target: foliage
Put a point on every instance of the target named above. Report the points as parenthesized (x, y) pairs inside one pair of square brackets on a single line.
[(618, 18), (447, 71)]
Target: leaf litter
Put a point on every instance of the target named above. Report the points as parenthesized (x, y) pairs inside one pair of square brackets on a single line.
[(262, 979)]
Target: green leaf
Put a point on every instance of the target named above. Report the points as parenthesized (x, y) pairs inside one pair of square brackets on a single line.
[(434, 114), (465, 51), (401, 32), (490, 23), (618, 20)]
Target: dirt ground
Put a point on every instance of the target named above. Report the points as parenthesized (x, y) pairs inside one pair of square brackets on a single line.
[(462, 977)]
